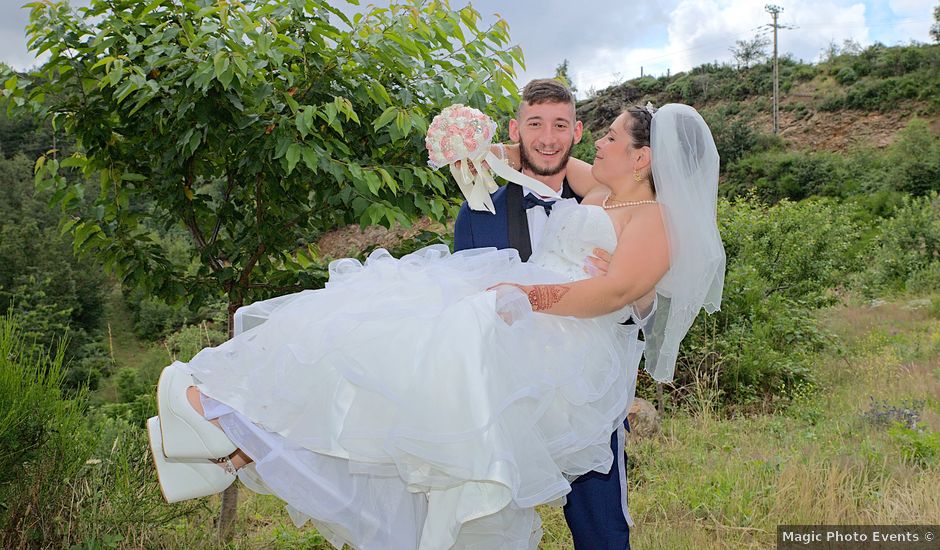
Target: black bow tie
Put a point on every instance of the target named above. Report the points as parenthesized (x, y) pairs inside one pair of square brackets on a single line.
[(530, 200)]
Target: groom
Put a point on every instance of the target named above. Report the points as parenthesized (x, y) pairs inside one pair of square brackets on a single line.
[(546, 129)]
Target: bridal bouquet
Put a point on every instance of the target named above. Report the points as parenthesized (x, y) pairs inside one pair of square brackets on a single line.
[(458, 133), (460, 137)]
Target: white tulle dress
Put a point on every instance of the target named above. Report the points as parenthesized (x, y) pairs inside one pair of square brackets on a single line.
[(397, 409)]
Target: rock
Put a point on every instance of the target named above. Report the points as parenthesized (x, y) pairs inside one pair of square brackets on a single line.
[(644, 419), (917, 304)]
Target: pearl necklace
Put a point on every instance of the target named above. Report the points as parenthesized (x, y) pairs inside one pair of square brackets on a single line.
[(618, 204)]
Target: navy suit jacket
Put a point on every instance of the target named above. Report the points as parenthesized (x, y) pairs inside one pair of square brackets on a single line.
[(507, 228), (594, 511)]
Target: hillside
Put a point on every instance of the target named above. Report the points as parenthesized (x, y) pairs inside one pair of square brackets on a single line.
[(854, 98)]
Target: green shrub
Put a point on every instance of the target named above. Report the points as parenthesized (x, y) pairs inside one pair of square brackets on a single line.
[(914, 159), (585, 149), (846, 76), (775, 175), (44, 441), (734, 139), (186, 342), (934, 308), (907, 249), (783, 262), (919, 446)]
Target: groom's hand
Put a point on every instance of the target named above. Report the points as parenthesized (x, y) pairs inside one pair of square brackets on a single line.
[(597, 265)]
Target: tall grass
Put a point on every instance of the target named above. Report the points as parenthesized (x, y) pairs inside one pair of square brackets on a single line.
[(714, 481), (70, 477), (43, 440)]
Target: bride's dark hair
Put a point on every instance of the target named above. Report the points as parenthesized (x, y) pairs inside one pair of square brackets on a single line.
[(642, 122)]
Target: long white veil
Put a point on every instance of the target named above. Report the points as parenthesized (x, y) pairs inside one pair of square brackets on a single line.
[(685, 172)]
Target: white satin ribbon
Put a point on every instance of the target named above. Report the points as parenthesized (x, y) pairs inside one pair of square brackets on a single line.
[(477, 188)]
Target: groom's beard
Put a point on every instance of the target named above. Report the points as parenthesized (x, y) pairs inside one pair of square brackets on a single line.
[(527, 164)]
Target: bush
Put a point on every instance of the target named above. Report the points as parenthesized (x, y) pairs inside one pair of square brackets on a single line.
[(775, 175), (846, 76), (44, 440), (783, 262), (907, 249), (67, 479), (153, 318), (734, 139), (918, 446), (186, 342), (914, 158)]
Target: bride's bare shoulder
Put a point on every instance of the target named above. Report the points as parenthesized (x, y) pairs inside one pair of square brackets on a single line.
[(596, 195), (579, 176)]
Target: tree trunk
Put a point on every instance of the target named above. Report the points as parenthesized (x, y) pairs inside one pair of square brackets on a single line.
[(229, 512)]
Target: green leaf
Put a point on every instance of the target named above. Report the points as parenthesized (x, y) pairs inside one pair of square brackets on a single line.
[(291, 102), (388, 180), (83, 235), (103, 61), (220, 62), (311, 159), (115, 74), (385, 118), (226, 77), (293, 156), (241, 64), (372, 181), (403, 123)]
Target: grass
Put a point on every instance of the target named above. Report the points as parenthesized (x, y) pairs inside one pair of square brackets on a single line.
[(708, 481), (127, 351), (728, 482)]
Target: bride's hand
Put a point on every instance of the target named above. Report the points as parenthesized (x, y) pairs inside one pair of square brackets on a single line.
[(598, 264), (512, 301), (470, 165)]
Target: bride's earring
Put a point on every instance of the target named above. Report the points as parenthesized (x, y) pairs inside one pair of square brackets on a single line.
[(637, 177)]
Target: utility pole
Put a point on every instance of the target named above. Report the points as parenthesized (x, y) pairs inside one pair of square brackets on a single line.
[(775, 10)]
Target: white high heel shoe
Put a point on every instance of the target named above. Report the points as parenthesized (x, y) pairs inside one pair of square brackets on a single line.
[(185, 480), (186, 434)]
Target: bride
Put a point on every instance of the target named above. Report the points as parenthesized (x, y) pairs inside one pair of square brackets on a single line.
[(433, 401)]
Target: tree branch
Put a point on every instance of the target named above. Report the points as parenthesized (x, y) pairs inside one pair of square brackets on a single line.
[(190, 215), (229, 187)]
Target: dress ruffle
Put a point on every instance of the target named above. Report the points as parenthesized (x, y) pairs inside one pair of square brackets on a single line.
[(401, 382)]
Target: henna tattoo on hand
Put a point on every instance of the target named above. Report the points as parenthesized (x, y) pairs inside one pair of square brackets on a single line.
[(543, 297)]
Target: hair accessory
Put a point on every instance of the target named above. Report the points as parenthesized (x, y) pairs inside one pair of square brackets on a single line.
[(650, 109)]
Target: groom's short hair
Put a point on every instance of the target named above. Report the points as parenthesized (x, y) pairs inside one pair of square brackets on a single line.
[(546, 90)]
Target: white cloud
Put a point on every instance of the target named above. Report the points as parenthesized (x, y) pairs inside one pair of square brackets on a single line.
[(703, 31), (606, 40), (911, 8)]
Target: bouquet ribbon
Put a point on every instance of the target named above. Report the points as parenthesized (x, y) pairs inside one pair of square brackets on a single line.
[(476, 188)]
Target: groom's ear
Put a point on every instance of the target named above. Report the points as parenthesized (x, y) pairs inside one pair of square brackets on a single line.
[(514, 130), (578, 131)]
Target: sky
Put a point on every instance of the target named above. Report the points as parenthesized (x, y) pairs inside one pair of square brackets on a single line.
[(609, 41)]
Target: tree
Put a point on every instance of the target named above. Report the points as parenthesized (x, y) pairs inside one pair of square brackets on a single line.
[(746, 52), (255, 126), (935, 28), (561, 74)]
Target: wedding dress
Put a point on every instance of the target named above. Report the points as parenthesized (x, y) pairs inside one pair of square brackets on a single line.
[(403, 406)]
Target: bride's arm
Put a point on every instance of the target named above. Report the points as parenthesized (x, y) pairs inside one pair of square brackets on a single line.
[(578, 172), (580, 178), (639, 262)]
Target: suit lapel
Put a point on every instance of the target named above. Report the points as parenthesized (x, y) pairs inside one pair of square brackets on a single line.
[(567, 193), (517, 222)]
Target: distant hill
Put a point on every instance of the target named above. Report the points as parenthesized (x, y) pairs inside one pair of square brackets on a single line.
[(863, 96)]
